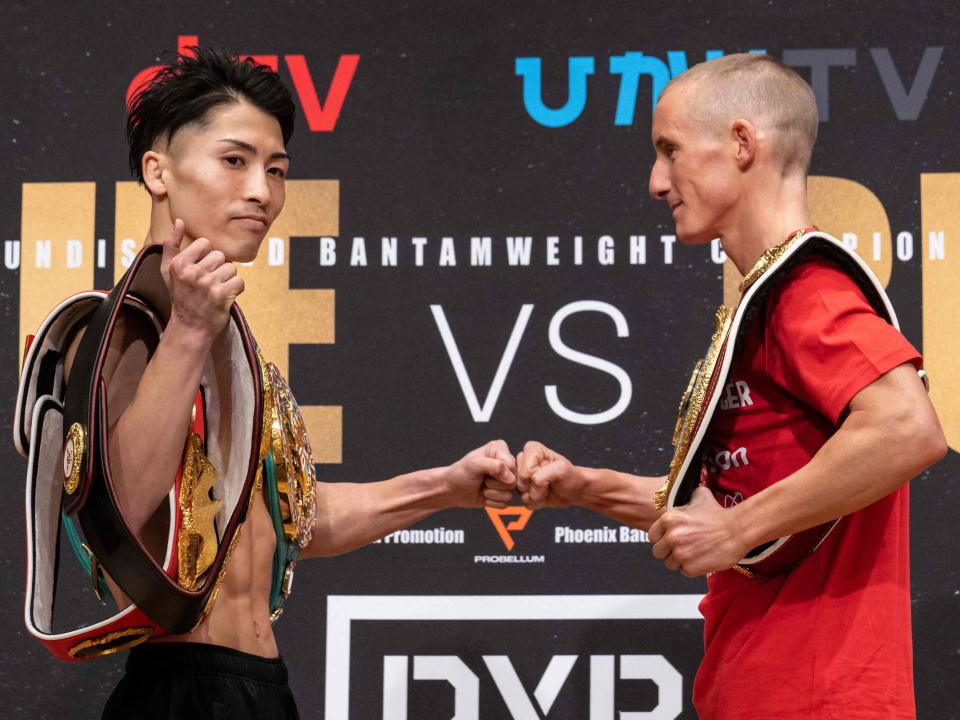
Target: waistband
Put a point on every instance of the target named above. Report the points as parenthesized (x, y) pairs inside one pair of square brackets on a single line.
[(190, 658)]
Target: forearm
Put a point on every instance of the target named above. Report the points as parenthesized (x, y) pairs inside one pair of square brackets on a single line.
[(624, 497), (865, 460), (351, 515), (146, 442)]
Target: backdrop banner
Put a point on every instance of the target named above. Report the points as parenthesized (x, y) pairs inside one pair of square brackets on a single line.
[(468, 252)]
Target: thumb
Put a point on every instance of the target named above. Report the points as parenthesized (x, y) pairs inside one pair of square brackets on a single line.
[(171, 246)]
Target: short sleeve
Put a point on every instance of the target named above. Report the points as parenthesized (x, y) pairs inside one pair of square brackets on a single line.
[(824, 341)]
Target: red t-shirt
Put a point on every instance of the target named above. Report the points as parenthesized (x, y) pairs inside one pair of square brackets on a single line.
[(832, 638)]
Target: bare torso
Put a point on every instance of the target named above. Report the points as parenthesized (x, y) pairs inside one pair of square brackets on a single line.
[(240, 617)]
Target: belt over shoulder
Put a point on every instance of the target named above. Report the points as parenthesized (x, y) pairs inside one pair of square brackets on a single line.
[(706, 386), (161, 604)]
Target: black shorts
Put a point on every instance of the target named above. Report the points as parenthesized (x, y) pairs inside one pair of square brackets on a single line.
[(193, 680)]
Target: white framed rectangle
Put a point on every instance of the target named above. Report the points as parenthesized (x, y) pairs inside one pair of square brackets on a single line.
[(342, 610)]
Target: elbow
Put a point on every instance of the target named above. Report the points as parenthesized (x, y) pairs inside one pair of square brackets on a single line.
[(938, 447), (927, 443), (935, 444)]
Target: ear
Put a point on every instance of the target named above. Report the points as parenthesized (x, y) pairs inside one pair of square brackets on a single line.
[(152, 166), (744, 133)]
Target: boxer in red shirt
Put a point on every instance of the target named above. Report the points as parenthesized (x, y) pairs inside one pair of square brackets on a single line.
[(822, 416)]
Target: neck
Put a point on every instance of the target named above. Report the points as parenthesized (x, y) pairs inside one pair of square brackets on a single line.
[(765, 219), (161, 224)]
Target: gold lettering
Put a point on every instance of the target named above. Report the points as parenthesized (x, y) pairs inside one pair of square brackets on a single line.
[(940, 213), (278, 315), (57, 221), (840, 207), (130, 225)]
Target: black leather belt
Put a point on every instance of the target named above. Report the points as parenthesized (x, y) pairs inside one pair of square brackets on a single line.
[(707, 385), (89, 493)]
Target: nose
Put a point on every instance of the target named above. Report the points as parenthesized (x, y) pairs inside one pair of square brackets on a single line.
[(257, 186), (659, 180)]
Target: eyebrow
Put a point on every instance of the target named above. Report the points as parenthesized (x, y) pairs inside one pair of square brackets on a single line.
[(250, 148)]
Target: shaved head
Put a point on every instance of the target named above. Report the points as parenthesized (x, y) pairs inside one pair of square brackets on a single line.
[(758, 88)]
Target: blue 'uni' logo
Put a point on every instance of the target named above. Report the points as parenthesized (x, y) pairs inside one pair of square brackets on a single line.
[(630, 66)]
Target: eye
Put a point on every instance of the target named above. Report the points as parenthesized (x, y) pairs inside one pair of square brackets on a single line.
[(233, 160), (278, 172)]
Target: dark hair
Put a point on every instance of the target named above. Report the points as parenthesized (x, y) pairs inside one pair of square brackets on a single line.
[(186, 89)]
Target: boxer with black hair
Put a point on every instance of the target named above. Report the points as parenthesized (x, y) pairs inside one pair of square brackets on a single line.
[(208, 137)]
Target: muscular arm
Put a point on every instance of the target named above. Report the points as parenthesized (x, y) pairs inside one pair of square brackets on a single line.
[(150, 405), (146, 441), (144, 452), (350, 515), (546, 478), (624, 497), (890, 435)]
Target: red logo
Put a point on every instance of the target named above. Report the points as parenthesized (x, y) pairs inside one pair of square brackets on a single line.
[(521, 516), (321, 117)]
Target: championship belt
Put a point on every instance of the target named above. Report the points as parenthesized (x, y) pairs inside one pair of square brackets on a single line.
[(710, 375), (289, 481), (63, 430)]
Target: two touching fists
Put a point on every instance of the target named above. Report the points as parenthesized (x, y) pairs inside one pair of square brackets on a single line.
[(696, 539), (489, 475)]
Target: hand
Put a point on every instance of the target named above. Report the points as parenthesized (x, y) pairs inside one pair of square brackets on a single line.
[(547, 479), (698, 538), (486, 475), (203, 285)]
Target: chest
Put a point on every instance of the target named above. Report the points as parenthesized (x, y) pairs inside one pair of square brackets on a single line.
[(760, 432)]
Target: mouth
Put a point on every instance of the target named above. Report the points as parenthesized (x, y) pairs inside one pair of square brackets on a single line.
[(675, 205), (254, 222)]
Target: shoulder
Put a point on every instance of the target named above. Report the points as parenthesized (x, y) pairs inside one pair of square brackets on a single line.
[(133, 327), (815, 288), (815, 275), (824, 341)]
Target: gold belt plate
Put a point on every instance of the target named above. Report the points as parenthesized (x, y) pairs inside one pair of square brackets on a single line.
[(293, 459), (693, 403)]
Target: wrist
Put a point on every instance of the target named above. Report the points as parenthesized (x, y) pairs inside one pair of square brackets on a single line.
[(186, 336), (439, 488), (741, 528), (580, 488)]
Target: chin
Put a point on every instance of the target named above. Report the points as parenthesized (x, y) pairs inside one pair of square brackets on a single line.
[(694, 238), (242, 250)]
